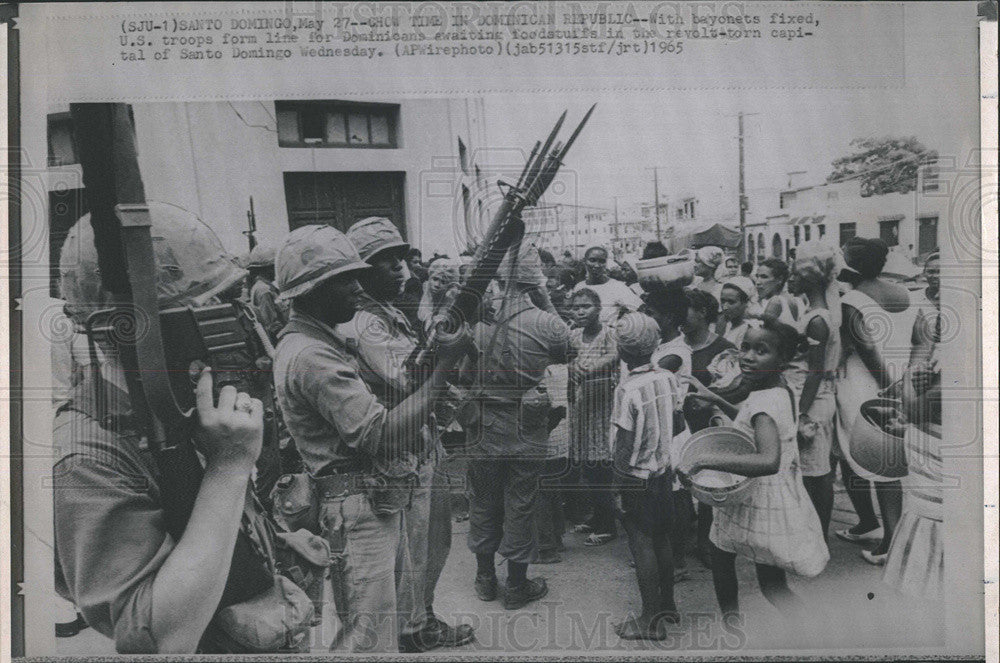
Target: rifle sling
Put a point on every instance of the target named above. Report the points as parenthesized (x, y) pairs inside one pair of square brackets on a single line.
[(171, 429)]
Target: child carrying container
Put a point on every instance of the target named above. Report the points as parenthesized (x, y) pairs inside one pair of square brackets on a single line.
[(775, 525)]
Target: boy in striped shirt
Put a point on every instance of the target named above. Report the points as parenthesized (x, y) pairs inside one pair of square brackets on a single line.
[(646, 408)]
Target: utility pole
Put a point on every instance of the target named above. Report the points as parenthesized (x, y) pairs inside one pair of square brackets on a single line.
[(743, 202), (656, 198), (743, 197), (617, 229)]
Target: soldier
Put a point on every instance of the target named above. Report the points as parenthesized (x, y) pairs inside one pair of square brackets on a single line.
[(385, 340), (130, 578), (508, 450), (356, 448), (263, 295)]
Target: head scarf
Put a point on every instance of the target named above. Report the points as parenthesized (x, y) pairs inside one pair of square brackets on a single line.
[(821, 263), (447, 267), (710, 256), (637, 334), (743, 284)]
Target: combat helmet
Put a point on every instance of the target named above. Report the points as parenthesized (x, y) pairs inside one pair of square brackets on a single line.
[(192, 267)]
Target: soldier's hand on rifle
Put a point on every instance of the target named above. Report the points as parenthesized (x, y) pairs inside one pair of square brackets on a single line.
[(451, 347), (233, 430)]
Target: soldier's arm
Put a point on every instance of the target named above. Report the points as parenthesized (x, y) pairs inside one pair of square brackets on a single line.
[(404, 421), (336, 390), (124, 572), (189, 585)]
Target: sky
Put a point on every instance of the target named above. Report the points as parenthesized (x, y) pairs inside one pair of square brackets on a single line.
[(692, 138), (691, 134)]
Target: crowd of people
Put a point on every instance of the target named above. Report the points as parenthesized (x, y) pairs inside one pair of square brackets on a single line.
[(581, 398)]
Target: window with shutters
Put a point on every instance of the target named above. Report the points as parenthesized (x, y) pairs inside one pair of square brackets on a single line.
[(337, 124)]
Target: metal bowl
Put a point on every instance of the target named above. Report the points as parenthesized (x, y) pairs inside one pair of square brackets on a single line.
[(714, 487), (876, 443)]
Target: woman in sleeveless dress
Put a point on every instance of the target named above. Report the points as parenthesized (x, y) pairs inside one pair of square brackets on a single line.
[(812, 373), (877, 333)]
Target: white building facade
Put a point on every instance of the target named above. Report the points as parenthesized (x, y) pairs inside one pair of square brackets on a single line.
[(317, 161), (836, 212)]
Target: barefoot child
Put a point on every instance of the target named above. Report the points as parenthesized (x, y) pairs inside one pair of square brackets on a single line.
[(642, 432), (776, 526)]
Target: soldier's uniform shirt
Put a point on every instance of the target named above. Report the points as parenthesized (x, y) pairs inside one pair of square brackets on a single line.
[(270, 313), (527, 340), (383, 339), (329, 410), (110, 538), (509, 450), (110, 532)]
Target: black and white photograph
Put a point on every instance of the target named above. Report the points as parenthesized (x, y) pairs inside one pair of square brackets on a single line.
[(649, 370)]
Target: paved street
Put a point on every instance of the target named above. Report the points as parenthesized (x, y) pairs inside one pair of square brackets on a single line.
[(593, 588)]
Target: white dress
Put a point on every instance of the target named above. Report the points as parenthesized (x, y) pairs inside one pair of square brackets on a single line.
[(776, 524), (915, 563), (892, 334)]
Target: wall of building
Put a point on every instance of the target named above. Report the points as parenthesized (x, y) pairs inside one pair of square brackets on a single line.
[(835, 204), (211, 157)]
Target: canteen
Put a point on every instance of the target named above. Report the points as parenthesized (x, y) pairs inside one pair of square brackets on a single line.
[(714, 487), (876, 440), (677, 270)]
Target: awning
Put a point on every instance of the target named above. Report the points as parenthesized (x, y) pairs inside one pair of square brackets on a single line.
[(891, 217)]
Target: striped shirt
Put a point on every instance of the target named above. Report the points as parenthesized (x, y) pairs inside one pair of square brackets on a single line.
[(644, 405)]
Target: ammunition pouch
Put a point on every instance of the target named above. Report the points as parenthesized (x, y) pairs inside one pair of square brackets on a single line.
[(304, 558), (296, 503), (277, 619), (389, 495)]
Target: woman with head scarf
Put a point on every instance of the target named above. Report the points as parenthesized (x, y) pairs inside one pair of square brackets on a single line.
[(812, 373), (735, 298), (706, 260), (878, 321), (442, 275)]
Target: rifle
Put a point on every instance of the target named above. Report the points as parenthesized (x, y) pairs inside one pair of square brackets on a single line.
[(156, 361), (251, 226), (505, 230)]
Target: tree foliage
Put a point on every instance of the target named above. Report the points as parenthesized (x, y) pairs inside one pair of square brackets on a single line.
[(883, 165)]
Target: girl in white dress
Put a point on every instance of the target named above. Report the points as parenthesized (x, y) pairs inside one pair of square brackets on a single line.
[(775, 526)]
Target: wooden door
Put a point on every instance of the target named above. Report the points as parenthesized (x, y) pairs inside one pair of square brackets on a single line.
[(341, 199)]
